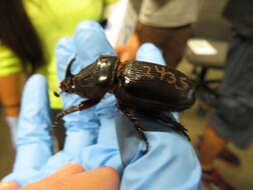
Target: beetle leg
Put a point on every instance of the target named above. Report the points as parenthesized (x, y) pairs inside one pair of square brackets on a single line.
[(168, 120), (83, 105), (140, 131), (131, 116)]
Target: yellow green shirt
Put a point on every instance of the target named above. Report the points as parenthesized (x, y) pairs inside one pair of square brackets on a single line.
[(53, 19)]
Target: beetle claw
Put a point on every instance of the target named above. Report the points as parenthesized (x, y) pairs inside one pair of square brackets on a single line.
[(143, 137)]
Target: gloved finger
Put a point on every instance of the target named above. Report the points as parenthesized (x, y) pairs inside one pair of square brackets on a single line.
[(105, 152), (65, 52), (90, 42), (34, 143), (150, 53), (81, 130)]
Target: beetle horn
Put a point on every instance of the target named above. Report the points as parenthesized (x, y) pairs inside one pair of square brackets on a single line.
[(68, 71)]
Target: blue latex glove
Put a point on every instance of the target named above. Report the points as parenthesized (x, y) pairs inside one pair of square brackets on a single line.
[(86, 46), (34, 142), (171, 162), (91, 138)]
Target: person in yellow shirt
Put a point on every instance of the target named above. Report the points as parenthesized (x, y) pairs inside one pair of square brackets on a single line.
[(28, 35)]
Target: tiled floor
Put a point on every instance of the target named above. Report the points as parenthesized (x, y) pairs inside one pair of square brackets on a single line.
[(241, 177)]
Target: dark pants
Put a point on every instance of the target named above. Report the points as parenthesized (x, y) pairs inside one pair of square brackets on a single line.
[(171, 41), (233, 113)]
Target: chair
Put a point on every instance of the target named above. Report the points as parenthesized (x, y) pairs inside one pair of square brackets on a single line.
[(207, 49)]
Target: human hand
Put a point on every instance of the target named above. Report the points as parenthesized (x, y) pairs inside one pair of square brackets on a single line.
[(73, 175), (128, 51), (86, 129), (34, 151)]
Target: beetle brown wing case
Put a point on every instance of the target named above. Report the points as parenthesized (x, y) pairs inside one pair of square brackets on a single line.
[(155, 87)]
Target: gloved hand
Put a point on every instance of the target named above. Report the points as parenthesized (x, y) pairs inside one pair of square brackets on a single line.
[(34, 159), (170, 163), (86, 46)]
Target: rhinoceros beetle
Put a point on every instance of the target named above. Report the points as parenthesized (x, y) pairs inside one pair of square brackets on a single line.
[(140, 88)]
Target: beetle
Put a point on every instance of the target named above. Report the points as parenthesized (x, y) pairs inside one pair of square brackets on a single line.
[(140, 88)]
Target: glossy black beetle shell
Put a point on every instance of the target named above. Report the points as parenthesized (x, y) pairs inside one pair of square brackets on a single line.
[(94, 80), (141, 88), (152, 87)]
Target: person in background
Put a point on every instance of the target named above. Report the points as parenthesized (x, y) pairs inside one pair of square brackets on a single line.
[(165, 23), (28, 34), (232, 116)]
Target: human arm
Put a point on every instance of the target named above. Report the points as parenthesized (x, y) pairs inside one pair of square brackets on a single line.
[(72, 176)]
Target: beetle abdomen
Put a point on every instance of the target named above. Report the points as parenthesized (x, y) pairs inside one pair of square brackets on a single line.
[(152, 86)]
